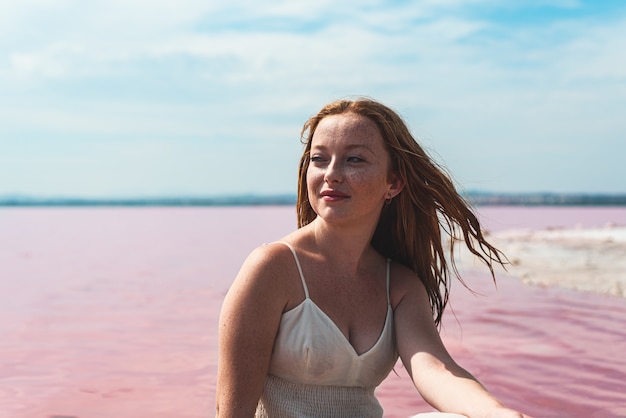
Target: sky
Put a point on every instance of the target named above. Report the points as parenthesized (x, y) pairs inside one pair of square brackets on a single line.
[(146, 98)]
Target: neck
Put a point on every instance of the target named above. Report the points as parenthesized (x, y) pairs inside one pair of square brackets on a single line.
[(345, 245)]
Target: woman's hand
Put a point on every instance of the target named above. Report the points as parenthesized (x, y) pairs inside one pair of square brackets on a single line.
[(507, 413)]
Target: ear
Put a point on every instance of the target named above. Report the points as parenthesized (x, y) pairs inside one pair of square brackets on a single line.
[(395, 186)]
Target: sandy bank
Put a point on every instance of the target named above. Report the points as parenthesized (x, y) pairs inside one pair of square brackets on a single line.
[(582, 259)]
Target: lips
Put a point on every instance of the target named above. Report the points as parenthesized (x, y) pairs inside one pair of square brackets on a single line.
[(333, 195)]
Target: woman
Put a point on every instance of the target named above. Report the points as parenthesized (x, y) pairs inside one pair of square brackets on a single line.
[(313, 323)]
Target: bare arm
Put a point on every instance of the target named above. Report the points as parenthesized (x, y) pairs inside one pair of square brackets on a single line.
[(439, 379), (248, 324)]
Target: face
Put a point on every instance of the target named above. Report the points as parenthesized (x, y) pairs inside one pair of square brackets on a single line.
[(348, 176)]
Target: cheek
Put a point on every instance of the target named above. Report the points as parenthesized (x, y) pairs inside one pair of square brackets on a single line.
[(369, 183), (310, 176), (313, 179)]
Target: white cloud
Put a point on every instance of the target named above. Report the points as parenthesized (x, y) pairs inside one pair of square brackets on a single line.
[(255, 69)]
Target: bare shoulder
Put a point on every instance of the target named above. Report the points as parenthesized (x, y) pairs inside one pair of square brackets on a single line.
[(267, 260), (405, 284), (259, 295), (268, 273)]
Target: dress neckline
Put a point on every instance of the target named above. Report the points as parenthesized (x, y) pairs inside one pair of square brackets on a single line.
[(307, 299)]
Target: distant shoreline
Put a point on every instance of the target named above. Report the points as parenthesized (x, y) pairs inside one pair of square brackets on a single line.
[(546, 199), (476, 198), (279, 200)]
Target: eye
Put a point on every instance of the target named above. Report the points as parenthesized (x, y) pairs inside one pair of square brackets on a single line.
[(355, 159), (317, 159)]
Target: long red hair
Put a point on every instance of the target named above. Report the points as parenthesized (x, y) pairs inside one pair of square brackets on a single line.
[(410, 227)]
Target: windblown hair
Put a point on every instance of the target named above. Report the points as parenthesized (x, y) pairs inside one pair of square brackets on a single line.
[(410, 227)]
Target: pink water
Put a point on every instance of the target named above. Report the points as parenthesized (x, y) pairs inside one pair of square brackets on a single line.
[(112, 312)]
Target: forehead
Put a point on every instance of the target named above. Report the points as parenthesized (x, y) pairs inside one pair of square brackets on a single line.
[(348, 129)]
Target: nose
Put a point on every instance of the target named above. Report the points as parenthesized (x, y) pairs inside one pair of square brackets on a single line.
[(334, 171)]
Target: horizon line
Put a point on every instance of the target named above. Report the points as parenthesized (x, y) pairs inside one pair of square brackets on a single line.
[(479, 198)]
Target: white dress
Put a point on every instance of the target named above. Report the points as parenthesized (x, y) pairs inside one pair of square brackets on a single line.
[(314, 370)]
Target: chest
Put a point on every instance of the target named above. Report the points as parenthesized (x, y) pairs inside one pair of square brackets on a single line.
[(356, 307)]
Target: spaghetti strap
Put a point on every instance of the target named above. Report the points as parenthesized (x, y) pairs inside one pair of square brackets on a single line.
[(295, 257), (388, 275)]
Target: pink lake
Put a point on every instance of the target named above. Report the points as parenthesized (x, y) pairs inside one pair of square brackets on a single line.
[(112, 312)]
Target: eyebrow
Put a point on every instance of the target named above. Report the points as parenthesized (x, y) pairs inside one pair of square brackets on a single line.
[(349, 147)]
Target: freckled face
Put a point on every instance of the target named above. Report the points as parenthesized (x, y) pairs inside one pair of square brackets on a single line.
[(347, 177)]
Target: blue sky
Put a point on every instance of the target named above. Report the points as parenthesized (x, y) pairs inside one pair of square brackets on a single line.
[(146, 98)]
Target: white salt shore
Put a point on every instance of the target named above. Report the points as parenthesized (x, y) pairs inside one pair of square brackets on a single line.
[(581, 259)]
